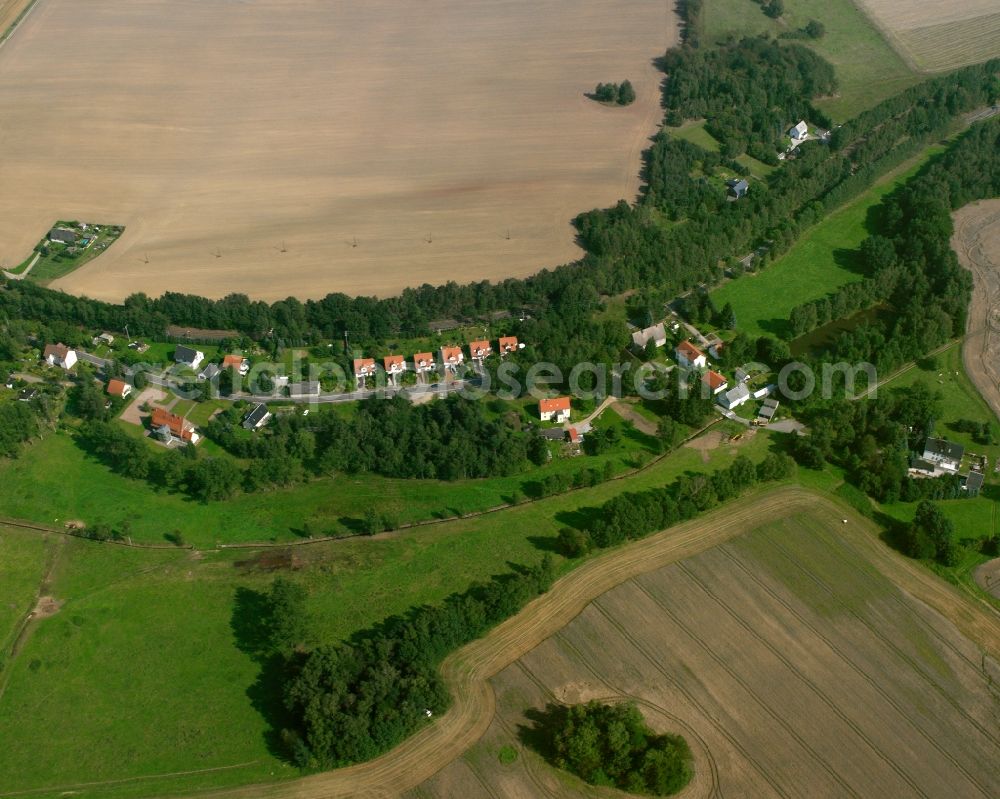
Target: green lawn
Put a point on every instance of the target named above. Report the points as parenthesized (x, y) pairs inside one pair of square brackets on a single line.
[(22, 566), (868, 69), (144, 659), (694, 132), (54, 480), (820, 262)]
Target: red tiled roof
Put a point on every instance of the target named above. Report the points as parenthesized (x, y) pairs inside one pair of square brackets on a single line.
[(478, 348), (423, 357), (233, 360), (392, 360), (364, 365), (554, 404), (574, 435), (178, 425), (59, 350), (689, 350), (451, 354), (116, 388), (508, 343), (714, 380)]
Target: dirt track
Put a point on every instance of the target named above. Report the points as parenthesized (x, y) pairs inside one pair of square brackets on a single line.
[(977, 243), (469, 670), (9, 11)]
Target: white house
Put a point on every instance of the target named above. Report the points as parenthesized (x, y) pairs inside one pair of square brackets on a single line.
[(188, 356), (256, 417), (799, 132), (734, 397), (944, 454), (59, 355), (689, 355), (554, 410), (119, 388), (657, 334), (394, 365), (715, 382)]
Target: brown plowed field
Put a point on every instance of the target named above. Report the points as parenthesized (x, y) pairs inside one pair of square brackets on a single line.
[(246, 144), (9, 11), (977, 243), (771, 650)]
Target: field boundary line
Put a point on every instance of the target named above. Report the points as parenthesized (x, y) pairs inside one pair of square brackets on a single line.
[(12, 28)]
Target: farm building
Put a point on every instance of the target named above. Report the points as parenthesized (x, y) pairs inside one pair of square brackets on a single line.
[(714, 381), (119, 388), (657, 334), (508, 344), (63, 235), (734, 397), (423, 362), (59, 355), (554, 410), (256, 417), (552, 433), (188, 356), (767, 410), (689, 355)]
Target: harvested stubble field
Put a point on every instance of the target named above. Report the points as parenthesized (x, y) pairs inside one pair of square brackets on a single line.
[(245, 145), (937, 35), (801, 658), (977, 242), (10, 10)]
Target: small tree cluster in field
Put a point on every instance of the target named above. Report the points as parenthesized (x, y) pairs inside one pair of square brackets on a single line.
[(620, 93), (931, 535), (774, 8), (611, 745)]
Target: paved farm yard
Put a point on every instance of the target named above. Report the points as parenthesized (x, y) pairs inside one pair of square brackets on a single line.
[(221, 133)]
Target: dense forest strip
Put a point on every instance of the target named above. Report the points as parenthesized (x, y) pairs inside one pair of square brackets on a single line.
[(468, 671)]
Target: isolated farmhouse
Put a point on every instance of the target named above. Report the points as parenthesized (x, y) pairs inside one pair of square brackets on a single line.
[(556, 409)]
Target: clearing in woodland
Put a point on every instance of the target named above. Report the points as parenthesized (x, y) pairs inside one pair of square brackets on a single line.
[(297, 148), (801, 658)]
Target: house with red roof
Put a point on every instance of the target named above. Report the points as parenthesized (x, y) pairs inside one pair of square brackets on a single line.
[(118, 388), (479, 350), (452, 357), (423, 362), (394, 365), (689, 355), (556, 409), (508, 344), (715, 382), (363, 369), (171, 427), (237, 362)]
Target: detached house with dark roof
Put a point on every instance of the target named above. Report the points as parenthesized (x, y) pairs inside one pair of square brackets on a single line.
[(943, 454), (188, 356), (256, 417), (59, 355)]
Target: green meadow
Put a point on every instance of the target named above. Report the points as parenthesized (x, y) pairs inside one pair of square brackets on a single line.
[(821, 261)]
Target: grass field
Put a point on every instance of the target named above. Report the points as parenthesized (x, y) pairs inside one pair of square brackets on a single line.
[(54, 481), (148, 603), (796, 660), (22, 565), (231, 177), (820, 262), (868, 68), (937, 35)]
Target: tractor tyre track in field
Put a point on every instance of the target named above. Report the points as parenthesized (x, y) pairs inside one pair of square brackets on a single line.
[(910, 662), (871, 681), (823, 697), (467, 671)]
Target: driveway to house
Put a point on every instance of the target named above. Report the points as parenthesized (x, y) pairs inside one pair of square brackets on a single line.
[(132, 414)]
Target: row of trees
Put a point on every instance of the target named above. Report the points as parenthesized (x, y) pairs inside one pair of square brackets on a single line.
[(351, 701), (620, 93), (637, 514)]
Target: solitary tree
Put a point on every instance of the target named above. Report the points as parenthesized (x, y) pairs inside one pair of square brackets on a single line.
[(626, 94), (815, 29)]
